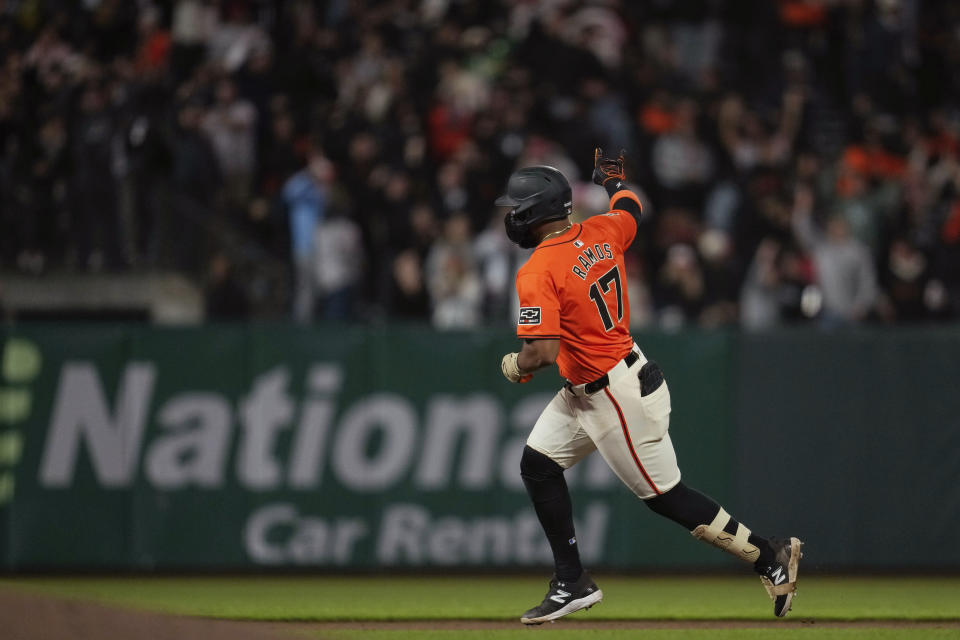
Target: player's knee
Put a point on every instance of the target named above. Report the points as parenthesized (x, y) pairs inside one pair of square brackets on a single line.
[(666, 504), (684, 506), (536, 466)]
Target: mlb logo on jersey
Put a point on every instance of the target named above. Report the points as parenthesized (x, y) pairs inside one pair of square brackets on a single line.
[(529, 315)]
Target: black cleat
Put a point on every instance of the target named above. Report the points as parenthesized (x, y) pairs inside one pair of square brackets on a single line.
[(779, 577), (564, 598)]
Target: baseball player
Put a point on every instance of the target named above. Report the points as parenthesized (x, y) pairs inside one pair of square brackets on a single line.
[(574, 312)]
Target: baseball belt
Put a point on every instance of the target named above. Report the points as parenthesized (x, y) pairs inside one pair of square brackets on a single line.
[(592, 387)]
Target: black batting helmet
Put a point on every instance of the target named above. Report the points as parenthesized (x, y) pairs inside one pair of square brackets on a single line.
[(535, 195)]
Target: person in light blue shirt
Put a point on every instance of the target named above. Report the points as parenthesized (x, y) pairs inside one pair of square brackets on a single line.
[(305, 195)]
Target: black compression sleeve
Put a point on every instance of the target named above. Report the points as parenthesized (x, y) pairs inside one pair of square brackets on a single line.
[(547, 488), (629, 205), (685, 506), (624, 203)]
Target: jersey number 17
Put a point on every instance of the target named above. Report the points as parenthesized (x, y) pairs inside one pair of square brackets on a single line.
[(600, 289)]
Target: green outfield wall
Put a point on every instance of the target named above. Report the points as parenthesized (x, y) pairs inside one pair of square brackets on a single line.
[(246, 447), (863, 432)]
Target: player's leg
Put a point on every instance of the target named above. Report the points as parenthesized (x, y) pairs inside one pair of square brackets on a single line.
[(547, 488), (556, 443), (774, 559), (629, 422), (708, 521)]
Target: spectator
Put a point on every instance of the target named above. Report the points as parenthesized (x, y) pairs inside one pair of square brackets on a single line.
[(193, 21), (407, 297), (682, 163), (153, 55), (305, 196), (50, 53), (746, 139), (772, 293), (721, 277), (195, 177), (232, 41), (911, 293), (844, 267), (681, 291), (280, 159), (230, 124), (96, 225), (43, 221), (497, 260), (456, 292), (196, 170), (337, 265)]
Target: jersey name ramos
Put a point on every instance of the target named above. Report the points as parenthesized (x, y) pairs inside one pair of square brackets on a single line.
[(574, 288)]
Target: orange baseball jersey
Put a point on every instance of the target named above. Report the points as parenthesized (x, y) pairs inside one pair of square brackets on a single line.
[(574, 288)]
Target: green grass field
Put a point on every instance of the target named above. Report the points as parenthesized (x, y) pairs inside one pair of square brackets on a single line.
[(820, 601)]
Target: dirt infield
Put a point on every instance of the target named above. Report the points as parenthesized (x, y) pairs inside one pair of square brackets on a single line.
[(33, 617)]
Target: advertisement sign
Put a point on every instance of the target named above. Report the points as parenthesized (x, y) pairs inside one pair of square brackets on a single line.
[(243, 447)]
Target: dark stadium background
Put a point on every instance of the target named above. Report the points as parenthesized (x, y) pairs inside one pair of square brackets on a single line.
[(158, 138)]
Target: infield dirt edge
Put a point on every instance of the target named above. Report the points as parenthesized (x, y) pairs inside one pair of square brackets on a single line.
[(40, 617)]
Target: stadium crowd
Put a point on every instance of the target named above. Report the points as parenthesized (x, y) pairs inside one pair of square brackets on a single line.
[(798, 159)]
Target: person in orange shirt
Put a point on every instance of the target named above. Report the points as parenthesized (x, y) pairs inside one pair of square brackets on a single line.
[(575, 313)]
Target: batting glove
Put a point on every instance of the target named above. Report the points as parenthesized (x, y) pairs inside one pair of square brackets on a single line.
[(606, 169), (511, 370)]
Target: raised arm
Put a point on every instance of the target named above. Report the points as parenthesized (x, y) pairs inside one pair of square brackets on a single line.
[(608, 172)]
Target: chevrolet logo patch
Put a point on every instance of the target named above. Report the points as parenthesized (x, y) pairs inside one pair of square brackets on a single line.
[(529, 315)]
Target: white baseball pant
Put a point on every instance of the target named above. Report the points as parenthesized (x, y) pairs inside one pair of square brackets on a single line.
[(629, 430)]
